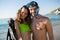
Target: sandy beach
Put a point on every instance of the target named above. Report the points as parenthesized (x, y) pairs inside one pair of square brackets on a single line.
[(56, 31)]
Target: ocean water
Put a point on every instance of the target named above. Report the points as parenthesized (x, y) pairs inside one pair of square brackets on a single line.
[(4, 25), (54, 18), (3, 28)]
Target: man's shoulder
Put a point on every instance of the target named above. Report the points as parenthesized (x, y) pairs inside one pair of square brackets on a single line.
[(43, 17), (46, 18)]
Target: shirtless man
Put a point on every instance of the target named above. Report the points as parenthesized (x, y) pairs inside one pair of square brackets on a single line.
[(40, 25)]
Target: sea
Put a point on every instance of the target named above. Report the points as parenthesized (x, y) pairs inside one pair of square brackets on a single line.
[(4, 24)]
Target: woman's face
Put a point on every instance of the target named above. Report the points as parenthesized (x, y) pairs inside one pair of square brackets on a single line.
[(24, 13)]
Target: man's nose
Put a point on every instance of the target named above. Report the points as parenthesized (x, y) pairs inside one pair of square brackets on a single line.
[(33, 11)]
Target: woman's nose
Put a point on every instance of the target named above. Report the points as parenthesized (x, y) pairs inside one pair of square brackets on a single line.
[(22, 13)]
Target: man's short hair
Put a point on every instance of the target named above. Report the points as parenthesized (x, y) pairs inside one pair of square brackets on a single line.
[(32, 4)]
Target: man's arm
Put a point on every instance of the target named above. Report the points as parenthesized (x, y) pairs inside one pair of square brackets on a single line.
[(49, 30)]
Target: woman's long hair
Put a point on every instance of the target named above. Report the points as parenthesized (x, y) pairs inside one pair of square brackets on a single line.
[(28, 18), (18, 16)]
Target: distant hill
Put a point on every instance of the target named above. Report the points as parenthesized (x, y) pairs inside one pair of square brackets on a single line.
[(55, 11)]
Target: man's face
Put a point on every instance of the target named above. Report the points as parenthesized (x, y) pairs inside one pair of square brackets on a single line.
[(33, 10)]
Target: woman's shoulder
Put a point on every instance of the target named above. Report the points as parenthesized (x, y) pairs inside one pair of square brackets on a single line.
[(17, 21)]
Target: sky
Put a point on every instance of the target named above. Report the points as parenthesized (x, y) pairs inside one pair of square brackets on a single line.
[(9, 8)]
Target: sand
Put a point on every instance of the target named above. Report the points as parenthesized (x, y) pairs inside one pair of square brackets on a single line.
[(56, 31)]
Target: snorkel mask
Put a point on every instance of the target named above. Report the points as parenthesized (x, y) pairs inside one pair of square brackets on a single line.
[(37, 11), (32, 4)]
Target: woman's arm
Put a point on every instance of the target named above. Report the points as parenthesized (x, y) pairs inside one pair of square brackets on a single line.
[(17, 30)]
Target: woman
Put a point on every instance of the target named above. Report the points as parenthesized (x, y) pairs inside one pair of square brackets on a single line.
[(22, 24)]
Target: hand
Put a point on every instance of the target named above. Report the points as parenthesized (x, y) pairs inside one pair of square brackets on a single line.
[(20, 38)]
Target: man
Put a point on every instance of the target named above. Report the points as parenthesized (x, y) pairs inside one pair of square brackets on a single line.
[(40, 25)]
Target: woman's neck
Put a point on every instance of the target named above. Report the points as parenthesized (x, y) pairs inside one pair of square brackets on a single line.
[(24, 21)]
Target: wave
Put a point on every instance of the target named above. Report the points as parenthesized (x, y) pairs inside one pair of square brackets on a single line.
[(3, 32), (3, 24)]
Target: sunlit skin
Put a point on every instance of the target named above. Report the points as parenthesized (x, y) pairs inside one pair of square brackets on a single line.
[(41, 26), (33, 10), (23, 35), (23, 13)]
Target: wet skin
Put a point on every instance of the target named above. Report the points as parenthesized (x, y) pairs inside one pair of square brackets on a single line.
[(22, 35), (25, 35), (40, 26)]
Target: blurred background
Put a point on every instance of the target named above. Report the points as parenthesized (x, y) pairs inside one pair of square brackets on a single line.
[(48, 8)]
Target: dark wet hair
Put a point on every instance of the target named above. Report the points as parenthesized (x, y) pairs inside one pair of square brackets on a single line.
[(28, 18), (32, 4)]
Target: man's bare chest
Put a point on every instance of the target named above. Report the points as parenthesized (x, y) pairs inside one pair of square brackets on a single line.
[(38, 23)]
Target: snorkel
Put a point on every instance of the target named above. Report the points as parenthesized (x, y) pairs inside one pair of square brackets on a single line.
[(33, 4), (37, 11)]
